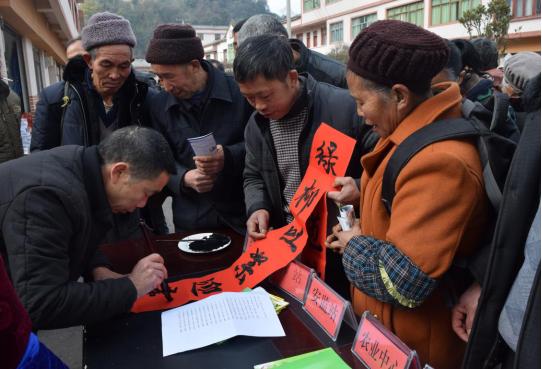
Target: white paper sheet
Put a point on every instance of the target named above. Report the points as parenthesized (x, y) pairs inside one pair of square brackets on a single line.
[(218, 318), (203, 145)]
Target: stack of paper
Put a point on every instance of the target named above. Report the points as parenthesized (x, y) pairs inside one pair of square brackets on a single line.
[(278, 302), (218, 318)]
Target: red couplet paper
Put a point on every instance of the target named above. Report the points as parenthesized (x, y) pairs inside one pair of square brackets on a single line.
[(330, 155), (325, 306), (293, 279), (378, 348)]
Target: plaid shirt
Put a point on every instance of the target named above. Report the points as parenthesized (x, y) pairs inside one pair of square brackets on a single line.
[(382, 271)]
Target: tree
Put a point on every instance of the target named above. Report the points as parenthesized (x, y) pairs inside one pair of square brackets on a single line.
[(339, 53), (145, 15), (491, 21)]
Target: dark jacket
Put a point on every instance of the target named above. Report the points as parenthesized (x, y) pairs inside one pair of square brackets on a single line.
[(10, 134), (326, 103), (77, 123), (53, 213), (320, 66), (521, 198), (224, 112)]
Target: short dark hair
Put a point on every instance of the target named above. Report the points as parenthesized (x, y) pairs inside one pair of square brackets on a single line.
[(487, 49), (269, 56), (469, 56), (145, 150), (238, 25), (454, 65)]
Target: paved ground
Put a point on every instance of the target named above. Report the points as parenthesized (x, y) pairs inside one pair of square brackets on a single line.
[(68, 343)]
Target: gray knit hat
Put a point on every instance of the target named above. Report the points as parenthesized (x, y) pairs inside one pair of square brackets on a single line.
[(107, 29), (520, 68)]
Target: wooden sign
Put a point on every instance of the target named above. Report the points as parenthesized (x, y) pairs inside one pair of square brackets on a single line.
[(293, 279), (377, 348), (326, 307)]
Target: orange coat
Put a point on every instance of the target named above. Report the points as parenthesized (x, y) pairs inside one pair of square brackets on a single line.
[(439, 211)]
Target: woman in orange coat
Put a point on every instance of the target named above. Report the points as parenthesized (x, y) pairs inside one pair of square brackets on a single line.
[(396, 260)]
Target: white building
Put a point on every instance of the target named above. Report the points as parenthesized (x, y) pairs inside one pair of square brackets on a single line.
[(221, 49), (325, 24), (210, 34), (33, 40)]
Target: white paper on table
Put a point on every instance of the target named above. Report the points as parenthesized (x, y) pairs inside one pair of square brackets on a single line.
[(203, 145), (218, 318)]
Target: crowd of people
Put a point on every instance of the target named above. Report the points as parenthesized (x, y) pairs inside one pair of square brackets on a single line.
[(449, 262)]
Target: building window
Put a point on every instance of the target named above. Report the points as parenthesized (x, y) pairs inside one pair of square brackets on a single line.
[(447, 11), (308, 38), (200, 36), (217, 36), (359, 23), (331, 1), (38, 69), (310, 4), (524, 8), (336, 32), (412, 13), (323, 32), (315, 39)]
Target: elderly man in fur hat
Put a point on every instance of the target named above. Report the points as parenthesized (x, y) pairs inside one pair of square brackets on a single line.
[(98, 95)]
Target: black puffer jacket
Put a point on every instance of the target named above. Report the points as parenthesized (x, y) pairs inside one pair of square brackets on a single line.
[(320, 66), (53, 213)]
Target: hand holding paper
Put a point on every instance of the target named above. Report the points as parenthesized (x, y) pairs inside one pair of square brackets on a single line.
[(211, 165), (339, 239)]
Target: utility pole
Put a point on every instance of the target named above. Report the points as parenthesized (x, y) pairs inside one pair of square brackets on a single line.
[(288, 20)]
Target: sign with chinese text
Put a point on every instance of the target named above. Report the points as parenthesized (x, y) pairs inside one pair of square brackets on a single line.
[(293, 279), (326, 306), (377, 348)]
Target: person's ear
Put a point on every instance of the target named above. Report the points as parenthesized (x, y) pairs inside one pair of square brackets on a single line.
[(293, 77), (403, 98), (118, 171)]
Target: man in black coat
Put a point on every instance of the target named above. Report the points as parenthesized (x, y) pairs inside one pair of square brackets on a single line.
[(321, 67), (289, 109), (56, 206), (99, 94), (198, 99)]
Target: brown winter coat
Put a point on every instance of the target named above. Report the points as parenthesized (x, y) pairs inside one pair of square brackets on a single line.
[(439, 212)]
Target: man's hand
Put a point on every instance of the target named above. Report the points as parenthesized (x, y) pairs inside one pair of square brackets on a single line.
[(211, 165), (100, 273), (198, 181), (349, 193), (148, 273), (258, 224), (464, 311), (339, 239)]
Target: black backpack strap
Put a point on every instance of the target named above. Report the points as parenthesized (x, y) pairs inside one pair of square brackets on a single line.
[(440, 130)]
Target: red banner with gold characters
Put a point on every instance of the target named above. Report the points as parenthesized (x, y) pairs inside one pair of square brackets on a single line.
[(330, 154)]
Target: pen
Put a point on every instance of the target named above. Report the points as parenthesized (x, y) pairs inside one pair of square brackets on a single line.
[(151, 249)]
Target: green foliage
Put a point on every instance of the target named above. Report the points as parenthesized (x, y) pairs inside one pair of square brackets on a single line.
[(339, 53), (491, 21), (145, 15)]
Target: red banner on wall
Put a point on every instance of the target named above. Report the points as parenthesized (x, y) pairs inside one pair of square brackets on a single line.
[(330, 155)]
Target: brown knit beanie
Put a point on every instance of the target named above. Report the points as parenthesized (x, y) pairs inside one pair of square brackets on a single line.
[(174, 44), (390, 51)]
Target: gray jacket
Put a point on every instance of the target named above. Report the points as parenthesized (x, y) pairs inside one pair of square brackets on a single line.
[(326, 103)]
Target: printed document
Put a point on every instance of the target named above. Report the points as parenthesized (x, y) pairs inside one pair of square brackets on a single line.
[(203, 145), (218, 318)]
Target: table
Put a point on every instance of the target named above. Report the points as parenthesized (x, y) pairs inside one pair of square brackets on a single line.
[(134, 340)]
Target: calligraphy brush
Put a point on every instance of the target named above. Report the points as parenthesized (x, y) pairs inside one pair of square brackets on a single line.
[(151, 249)]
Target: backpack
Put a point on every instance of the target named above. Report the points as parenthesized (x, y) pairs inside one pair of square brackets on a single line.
[(496, 152)]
